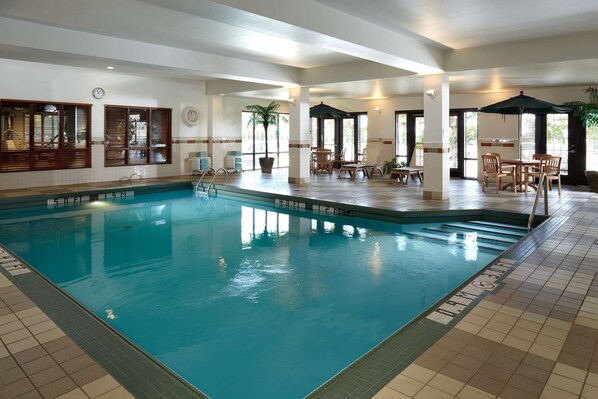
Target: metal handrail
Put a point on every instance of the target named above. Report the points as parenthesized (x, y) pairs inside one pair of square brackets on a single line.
[(214, 178), (199, 182), (543, 180)]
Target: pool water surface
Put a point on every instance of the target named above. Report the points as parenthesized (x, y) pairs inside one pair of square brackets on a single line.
[(242, 299)]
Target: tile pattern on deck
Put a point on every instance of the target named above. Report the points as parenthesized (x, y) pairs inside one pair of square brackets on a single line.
[(535, 335), (37, 360)]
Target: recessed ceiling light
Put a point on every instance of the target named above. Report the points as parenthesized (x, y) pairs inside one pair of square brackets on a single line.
[(109, 67)]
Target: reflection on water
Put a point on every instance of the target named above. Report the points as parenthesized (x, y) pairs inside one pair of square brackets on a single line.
[(280, 300)]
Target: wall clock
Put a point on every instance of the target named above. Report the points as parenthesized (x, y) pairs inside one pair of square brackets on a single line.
[(98, 93)]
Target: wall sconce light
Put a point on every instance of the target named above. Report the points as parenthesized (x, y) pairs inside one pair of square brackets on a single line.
[(431, 93), (378, 109), (291, 101)]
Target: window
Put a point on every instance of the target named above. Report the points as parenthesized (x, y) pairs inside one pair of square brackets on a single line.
[(253, 144), (44, 136), (401, 150), (462, 140), (528, 136), (557, 138), (137, 136)]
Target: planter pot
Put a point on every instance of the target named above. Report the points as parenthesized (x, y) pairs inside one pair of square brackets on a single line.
[(592, 176), (266, 164)]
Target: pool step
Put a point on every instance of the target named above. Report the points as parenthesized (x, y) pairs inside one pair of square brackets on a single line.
[(476, 227), (461, 242), (484, 237), (500, 225)]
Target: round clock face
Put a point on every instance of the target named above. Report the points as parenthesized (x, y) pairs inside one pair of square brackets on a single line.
[(98, 93)]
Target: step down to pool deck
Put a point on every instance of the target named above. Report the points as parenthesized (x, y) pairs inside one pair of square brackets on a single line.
[(447, 238), (500, 225), (499, 231)]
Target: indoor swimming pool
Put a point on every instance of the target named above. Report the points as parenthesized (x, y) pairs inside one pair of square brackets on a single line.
[(243, 299)]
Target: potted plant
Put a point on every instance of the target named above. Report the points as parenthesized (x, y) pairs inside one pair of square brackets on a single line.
[(588, 113), (265, 116)]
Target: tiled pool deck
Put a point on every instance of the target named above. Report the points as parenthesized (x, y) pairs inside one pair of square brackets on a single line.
[(534, 335)]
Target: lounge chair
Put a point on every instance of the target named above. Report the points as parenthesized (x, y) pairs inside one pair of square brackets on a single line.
[(368, 165), (403, 173)]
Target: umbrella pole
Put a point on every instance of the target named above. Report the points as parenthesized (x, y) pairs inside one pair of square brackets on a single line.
[(519, 142)]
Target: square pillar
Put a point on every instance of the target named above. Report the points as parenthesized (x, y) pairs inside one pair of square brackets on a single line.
[(299, 137), (436, 138)]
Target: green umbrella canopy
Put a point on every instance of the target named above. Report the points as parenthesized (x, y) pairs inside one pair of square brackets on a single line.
[(326, 112), (523, 104)]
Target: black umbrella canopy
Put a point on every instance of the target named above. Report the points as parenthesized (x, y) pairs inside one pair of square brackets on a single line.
[(523, 104), (326, 111)]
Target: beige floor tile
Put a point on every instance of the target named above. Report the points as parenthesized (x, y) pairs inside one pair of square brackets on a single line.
[(42, 327), (468, 327), (405, 385), (556, 323), (523, 334), (486, 304), (516, 342), (10, 327), (74, 394), (14, 336), (570, 372), (564, 383), (499, 326), (592, 379), (551, 392), (510, 311), (118, 393), (388, 393), (446, 384), (419, 373), (35, 319), (545, 351), (100, 386), (551, 342), (554, 332), (8, 318), (49, 335), (476, 319), (589, 392), (529, 325), (492, 335), (429, 392), (22, 345), (28, 312)]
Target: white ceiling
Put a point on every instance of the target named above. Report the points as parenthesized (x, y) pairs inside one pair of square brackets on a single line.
[(340, 48)]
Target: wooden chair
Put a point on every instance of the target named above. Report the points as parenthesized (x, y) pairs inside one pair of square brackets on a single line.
[(552, 168), (324, 161), (531, 173), (494, 169)]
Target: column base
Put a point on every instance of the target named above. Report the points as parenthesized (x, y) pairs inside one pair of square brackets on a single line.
[(437, 195), (298, 180)]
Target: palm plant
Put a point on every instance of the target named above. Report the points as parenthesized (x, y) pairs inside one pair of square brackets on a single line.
[(588, 112), (265, 116)]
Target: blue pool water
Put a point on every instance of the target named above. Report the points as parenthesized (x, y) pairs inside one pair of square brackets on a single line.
[(241, 299)]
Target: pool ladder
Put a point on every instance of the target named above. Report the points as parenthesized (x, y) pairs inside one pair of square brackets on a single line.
[(200, 188), (532, 214)]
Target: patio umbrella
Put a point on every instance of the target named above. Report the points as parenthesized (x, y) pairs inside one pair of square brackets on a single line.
[(326, 112), (520, 105)]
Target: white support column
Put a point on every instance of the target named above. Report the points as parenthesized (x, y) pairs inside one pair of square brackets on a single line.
[(299, 137), (436, 139)]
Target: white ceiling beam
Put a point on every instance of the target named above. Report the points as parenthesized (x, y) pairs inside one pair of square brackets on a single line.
[(315, 24), (225, 86), (349, 72), (27, 38), (528, 52)]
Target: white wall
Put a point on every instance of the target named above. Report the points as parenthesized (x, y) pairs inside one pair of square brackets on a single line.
[(42, 82)]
